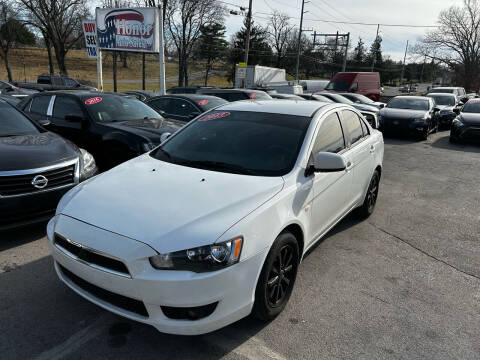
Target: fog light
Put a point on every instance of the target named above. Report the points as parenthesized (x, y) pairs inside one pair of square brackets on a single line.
[(189, 313)]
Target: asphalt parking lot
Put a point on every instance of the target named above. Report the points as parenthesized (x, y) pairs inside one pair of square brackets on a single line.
[(405, 284)]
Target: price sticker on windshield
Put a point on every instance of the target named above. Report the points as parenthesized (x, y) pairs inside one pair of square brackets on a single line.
[(93, 100), (203, 102), (214, 116)]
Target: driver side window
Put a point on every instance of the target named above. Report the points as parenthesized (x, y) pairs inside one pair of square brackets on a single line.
[(66, 106)]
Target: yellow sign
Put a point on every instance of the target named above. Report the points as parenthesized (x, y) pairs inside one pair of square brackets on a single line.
[(242, 65)]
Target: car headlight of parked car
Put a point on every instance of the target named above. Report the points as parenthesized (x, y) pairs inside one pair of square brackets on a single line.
[(419, 121), (201, 259), (88, 167), (148, 146)]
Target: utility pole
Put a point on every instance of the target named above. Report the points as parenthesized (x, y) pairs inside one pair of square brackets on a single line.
[(403, 67), (423, 68), (249, 27), (314, 38), (374, 56), (344, 67), (299, 41)]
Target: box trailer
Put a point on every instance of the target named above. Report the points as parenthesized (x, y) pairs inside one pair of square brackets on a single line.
[(257, 76)]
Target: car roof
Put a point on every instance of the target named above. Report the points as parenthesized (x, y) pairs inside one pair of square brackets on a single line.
[(440, 94), (445, 88), (194, 97), (231, 90), (413, 97), (78, 93), (291, 107)]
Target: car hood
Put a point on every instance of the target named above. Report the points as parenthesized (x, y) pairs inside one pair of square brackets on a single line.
[(470, 118), (151, 128), (402, 114), (445, 107), (167, 206), (34, 151), (363, 107)]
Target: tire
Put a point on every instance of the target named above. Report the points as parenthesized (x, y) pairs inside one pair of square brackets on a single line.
[(273, 291), (370, 201)]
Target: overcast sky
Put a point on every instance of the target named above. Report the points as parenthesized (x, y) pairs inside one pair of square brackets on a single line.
[(412, 12)]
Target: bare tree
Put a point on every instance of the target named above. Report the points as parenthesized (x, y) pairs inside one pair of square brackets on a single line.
[(279, 29), (184, 19), (12, 32), (60, 20), (456, 41)]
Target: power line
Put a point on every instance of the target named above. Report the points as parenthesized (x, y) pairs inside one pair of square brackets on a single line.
[(362, 23)]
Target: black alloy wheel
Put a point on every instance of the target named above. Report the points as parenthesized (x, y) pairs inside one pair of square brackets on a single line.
[(277, 278), (371, 197)]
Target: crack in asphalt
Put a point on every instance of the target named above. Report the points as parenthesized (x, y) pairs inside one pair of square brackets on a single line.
[(424, 252)]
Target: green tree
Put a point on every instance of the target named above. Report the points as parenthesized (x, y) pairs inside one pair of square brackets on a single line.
[(212, 45), (12, 33), (376, 51), (359, 53)]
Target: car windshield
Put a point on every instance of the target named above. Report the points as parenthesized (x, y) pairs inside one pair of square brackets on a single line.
[(338, 86), (109, 108), (472, 107), (251, 143), (338, 98), (443, 100), (362, 98), (210, 103), (13, 122), (408, 103)]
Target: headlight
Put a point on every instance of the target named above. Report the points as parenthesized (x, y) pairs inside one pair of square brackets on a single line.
[(419, 121), (88, 168), (148, 146), (201, 259), (457, 123)]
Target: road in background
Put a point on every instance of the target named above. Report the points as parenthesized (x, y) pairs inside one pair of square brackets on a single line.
[(405, 284)]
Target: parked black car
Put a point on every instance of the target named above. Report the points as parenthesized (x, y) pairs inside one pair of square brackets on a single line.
[(11, 100), (466, 126), (184, 107), (447, 103), (36, 168), (236, 94), (370, 112), (142, 95), (47, 82), (316, 97), (286, 96), (362, 99), (113, 128), (413, 115), (186, 89), (11, 90)]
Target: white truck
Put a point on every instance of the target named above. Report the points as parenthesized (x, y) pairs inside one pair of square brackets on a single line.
[(256, 76)]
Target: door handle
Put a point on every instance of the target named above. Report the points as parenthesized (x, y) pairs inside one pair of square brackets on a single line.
[(349, 166), (372, 149)]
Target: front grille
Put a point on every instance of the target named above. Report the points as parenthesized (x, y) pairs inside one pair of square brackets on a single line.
[(90, 257), (119, 301), (22, 184)]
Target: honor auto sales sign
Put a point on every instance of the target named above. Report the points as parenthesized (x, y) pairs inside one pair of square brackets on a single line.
[(133, 29)]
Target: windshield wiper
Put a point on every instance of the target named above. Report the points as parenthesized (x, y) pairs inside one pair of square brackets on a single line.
[(204, 164)]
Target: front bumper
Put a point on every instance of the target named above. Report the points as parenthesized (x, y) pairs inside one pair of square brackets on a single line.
[(407, 127), (148, 289), (30, 208), (465, 132)]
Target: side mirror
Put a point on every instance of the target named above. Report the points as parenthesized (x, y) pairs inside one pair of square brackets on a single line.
[(73, 118), (44, 122), (436, 109), (193, 115), (328, 162), (382, 106), (457, 110), (464, 99), (165, 136)]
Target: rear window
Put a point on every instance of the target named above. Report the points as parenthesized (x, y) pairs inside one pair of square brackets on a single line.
[(338, 85), (40, 105), (409, 103)]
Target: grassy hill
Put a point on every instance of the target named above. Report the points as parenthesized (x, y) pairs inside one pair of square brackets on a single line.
[(28, 63)]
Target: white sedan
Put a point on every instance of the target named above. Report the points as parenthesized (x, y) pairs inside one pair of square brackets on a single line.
[(212, 225)]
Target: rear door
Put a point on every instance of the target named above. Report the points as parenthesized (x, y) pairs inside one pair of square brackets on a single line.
[(360, 151), (71, 129)]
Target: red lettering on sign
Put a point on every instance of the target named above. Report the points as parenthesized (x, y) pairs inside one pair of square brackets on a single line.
[(92, 101)]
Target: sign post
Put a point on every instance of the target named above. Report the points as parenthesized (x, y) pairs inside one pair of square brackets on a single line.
[(161, 54), (93, 50)]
